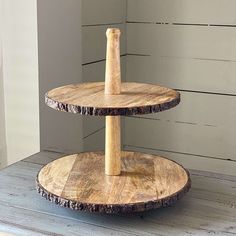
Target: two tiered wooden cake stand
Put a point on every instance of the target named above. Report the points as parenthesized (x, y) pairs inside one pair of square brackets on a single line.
[(115, 181)]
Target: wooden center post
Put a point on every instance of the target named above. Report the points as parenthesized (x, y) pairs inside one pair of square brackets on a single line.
[(112, 88)]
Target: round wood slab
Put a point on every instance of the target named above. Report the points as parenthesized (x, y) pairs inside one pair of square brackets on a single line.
[(89, 99), (146, 182)]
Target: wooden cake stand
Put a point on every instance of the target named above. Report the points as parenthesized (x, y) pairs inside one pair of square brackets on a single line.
[(113, 181)]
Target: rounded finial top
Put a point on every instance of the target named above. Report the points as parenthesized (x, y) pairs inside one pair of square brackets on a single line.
[(113, 31)]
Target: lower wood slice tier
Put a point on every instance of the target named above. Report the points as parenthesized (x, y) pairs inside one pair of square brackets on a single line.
[(146, 182)]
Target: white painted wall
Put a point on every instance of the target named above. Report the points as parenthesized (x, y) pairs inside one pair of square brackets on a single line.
[(60, 63), (3, 148), (188, 45), (72, 44), (20, 78)]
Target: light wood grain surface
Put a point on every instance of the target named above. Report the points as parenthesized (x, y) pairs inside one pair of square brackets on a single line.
[(113, 145), (113, 87), (89, 99), (146, 182), (208, 209), (113, 68)]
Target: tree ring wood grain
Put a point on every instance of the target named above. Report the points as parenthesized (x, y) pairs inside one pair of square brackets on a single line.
[(146, 182), (134, 99)]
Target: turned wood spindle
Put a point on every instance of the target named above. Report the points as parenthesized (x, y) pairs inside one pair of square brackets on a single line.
[(113, 87)]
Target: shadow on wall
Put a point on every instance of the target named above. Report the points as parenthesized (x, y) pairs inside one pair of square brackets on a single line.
[(3, 151)]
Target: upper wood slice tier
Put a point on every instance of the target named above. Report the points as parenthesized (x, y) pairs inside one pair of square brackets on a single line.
[(90, 99)]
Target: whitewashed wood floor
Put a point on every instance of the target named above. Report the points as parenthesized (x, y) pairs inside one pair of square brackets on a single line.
[(208, 209)]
